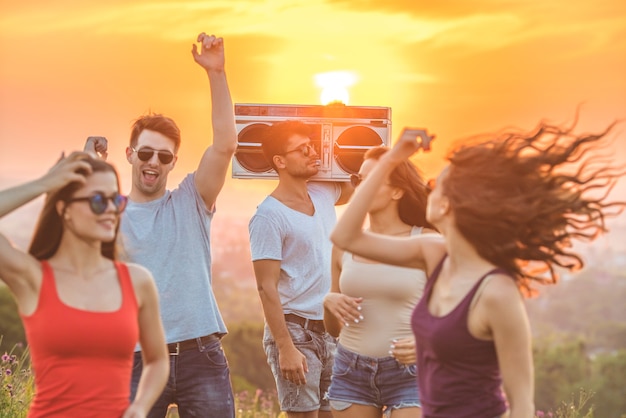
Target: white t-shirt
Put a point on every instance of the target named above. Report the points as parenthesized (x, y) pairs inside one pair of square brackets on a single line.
[(302, 244)]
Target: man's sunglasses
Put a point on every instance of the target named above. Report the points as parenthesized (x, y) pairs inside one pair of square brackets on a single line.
[(99, 203), (306, 150), (145, 154)]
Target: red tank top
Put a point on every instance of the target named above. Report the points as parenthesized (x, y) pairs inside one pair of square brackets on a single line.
[(82, 360), (458, 375)]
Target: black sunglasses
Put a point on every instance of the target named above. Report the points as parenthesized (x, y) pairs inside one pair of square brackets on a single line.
[(99, 203), (306, 150), (356, 179), (145, 154)]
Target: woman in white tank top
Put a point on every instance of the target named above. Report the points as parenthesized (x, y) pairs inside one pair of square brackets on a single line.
[(370, 304)]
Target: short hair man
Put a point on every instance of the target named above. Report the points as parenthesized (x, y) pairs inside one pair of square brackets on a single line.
[(168, 232), (291, 250)]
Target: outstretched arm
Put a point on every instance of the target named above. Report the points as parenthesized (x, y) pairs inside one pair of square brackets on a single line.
[(349, 234), (211, 173)]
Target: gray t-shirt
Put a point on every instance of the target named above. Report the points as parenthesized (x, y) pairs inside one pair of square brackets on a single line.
[(302, 244), (170, 237)]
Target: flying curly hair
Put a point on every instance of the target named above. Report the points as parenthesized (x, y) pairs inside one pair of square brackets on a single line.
[(521, 199)]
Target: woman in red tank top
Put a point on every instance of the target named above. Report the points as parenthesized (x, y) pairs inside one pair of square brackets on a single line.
[(501, 203), (83, 311)]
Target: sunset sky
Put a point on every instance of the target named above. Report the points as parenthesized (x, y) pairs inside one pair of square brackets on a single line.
[(70, 69)]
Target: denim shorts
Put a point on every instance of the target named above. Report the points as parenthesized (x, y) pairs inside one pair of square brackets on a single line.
[(319, 350), (379, 382)]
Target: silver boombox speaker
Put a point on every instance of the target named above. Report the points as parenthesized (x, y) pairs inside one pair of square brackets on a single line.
[(340, 134)]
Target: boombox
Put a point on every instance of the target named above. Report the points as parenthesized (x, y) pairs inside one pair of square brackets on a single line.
[(340, 135)]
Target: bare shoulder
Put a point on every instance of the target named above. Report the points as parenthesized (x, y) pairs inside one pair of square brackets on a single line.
[(139, 275), (143, 283), (430, 242), (500, 291)]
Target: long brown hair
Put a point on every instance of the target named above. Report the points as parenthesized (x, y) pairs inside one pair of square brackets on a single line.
[(412, 204), (49, 229), (520, 198)]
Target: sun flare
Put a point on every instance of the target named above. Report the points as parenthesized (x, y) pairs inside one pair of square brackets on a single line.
[(334, 86)]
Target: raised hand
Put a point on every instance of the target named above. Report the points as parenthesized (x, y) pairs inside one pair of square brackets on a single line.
[(67, 170), (210, 54), (98, 146), (409, 142)]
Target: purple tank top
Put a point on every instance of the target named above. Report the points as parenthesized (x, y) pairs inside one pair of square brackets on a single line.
[(458, 375)]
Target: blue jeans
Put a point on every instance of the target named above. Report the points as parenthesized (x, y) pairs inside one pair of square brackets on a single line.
[(199, 383), (319, 350), (379, 382)]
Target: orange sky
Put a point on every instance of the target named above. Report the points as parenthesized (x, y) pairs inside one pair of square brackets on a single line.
[(74, 68)]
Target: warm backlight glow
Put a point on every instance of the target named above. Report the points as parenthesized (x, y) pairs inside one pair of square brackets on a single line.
[(335, 86)]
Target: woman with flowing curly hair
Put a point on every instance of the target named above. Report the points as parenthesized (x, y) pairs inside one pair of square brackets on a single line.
[(508, 208)]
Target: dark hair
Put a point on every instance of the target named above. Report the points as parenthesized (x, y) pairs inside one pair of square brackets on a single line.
[(520, 199), (49, 229), (412, 205), (275, 138), (157, 123)]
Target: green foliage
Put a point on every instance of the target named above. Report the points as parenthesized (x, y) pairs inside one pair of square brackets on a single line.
[(16, 385), (244, 350), (560, 370), (608, 380), (11, 328), (573, 409)]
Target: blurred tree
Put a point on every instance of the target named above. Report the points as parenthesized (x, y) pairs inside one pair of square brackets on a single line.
[(244, 349), (11, 328), (609, 384), (561, 370)]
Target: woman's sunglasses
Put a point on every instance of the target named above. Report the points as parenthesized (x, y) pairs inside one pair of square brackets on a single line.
[(99, 203), (145, 154)]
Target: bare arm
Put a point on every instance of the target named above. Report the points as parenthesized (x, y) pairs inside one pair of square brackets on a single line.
[(19, 270), (350, 236), (211, 173), (152, 339), (291, 361), (508, 322), (339, 309)]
